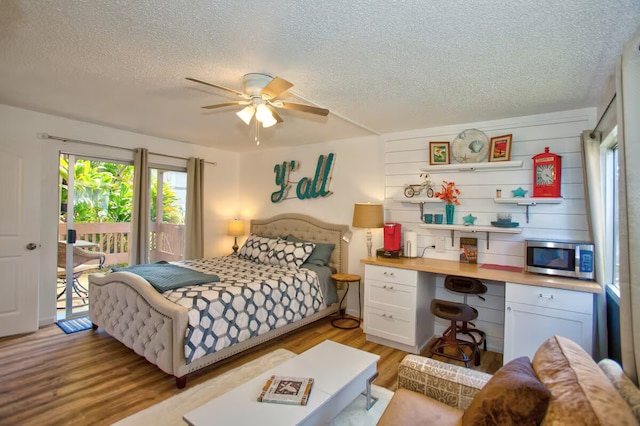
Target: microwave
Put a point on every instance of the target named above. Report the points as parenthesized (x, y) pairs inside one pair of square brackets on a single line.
[(574, 259)]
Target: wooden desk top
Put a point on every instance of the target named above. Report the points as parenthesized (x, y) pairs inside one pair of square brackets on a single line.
[(450, 267)]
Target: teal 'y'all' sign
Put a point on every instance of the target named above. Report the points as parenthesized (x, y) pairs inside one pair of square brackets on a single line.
[(306, 187)]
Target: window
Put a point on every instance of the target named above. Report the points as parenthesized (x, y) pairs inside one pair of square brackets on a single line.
[(612, 233)]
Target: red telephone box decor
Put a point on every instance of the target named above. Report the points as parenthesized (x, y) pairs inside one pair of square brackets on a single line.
[(547, 173)]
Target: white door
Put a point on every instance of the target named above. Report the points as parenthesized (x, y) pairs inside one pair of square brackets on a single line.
[(19, 236)]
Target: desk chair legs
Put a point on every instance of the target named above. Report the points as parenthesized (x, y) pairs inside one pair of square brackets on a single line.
[(449, 340), (480, 338), (455, 313)]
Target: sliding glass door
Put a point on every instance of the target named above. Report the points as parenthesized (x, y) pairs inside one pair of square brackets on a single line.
[(93, 225), (94, 222)]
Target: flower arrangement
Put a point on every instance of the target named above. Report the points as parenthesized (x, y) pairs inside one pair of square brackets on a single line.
[(449, 193)]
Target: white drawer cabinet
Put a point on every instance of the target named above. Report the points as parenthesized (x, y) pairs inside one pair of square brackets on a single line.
[(397, 307), (533, 314)]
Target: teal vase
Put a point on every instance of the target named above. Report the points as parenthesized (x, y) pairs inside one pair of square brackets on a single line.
[(450, 210)]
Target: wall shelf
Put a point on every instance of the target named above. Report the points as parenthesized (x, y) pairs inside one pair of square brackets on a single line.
[(471, 167), (418, 200), (529, 201), (472, 228)]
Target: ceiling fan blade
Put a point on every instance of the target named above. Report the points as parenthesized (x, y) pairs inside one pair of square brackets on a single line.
[(305, 108), (275, 87), (235, 92), (275, 114), (225, 104)]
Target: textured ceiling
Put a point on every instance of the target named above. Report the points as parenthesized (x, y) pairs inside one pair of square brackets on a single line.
[(386, 65)]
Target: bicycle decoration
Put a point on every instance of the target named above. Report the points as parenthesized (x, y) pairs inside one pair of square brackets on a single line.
[(416, 189)]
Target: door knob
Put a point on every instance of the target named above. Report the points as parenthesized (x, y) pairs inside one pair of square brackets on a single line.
[(32, 246)]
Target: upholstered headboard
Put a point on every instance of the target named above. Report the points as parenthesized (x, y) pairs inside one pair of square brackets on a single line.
[(310, 229)]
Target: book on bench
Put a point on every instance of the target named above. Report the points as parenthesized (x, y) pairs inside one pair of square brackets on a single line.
[(286, 390)]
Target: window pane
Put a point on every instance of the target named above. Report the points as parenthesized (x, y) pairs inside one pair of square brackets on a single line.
[(168, 196), (616, 230)]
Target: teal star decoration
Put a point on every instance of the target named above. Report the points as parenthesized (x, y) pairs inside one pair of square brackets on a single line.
[(469, 219), (519, 192)]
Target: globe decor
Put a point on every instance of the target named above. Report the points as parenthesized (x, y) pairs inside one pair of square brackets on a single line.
[(449, 194)]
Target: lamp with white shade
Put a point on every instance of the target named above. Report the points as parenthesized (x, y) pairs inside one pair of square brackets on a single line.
[(368, 215), (235, 228)]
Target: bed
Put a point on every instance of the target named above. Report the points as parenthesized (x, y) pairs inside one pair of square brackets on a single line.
[(158, 325)]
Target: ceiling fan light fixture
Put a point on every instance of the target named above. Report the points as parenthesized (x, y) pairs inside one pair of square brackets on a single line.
[(268, 121), (246, 114), (263, 114)]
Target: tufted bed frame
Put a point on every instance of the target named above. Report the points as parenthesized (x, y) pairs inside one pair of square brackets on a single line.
[(127, 307)]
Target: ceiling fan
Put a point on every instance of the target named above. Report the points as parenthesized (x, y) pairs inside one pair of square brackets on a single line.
[(260, 100)]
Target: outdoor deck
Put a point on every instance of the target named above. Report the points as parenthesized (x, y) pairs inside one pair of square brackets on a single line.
[(166, 242)]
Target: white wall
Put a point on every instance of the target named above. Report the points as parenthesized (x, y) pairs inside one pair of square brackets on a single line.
[(358, 176), (407, 152), (221, 188), (365, 169)]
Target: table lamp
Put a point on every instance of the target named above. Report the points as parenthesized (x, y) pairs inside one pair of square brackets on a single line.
[(235, 228), (368, 215)]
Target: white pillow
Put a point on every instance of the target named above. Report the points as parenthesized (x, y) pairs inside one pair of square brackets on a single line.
[(289, 253), (256, 248)]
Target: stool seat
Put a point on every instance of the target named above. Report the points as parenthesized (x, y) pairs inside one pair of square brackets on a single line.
[(346, 278), (453, 311), (466, 285)]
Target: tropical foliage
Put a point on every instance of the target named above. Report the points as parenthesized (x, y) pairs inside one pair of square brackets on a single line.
[(104, 193)]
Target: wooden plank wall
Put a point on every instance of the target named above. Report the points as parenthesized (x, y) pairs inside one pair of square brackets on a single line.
[(407, 152)]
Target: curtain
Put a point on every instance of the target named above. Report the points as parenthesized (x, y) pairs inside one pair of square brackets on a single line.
[(194, 238), (628, 85), (139, 237), (592, 162)]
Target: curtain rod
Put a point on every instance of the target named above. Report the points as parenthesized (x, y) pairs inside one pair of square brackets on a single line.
[(59, 138), (592, 135)]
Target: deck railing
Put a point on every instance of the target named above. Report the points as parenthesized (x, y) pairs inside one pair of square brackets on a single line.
[(166, 240)]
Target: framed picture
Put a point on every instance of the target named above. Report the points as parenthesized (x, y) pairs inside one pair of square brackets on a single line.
[(500, 148), (438, 153)]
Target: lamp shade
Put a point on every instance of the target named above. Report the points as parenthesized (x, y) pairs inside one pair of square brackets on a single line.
[(246, 114), (368, 215), (235, 228), (263, 114)]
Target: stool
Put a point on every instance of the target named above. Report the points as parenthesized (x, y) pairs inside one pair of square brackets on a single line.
[(454, 312), (467, 286), (347, 278)]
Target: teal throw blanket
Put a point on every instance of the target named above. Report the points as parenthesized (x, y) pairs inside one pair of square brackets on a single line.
[(164, 276)]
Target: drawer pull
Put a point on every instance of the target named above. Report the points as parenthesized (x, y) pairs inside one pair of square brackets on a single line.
[(387, 316), (389, 274), (546, 296), (388, 287)]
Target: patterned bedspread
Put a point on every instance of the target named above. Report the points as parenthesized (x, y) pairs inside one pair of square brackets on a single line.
[(249, 300)]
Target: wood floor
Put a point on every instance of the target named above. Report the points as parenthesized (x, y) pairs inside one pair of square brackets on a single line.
[(88, 378)]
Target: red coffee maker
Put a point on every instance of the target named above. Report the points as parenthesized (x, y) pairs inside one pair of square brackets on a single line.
[(392, 236)]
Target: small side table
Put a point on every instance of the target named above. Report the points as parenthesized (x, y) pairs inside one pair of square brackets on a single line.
[(348, 278)]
